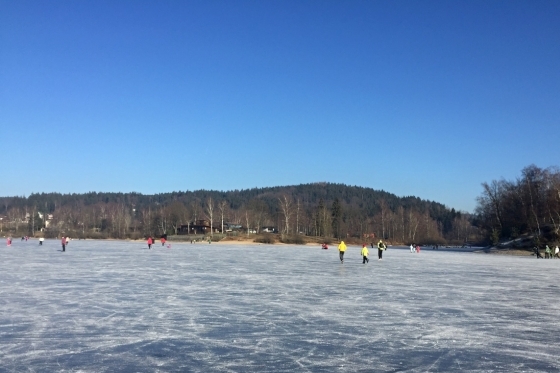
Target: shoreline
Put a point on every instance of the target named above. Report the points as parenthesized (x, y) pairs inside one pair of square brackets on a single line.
[(237, 241), (250, 242), (505, 251)]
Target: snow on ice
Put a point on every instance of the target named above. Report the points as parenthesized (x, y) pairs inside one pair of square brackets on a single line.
[(109, 306)]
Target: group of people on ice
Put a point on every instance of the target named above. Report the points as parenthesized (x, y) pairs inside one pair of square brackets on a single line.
[(9, 240), (549, 253), (151, 241), (381, 246)]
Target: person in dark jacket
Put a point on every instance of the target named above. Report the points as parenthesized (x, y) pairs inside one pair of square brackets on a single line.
[(538, 252), (380, 248)]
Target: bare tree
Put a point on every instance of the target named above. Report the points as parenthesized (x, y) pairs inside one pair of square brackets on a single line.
[(336, 215), (532, 178), (401, 214), (33, 214), (297, 216), (427, 221), (163, 219), (195, 209), (210, 213), (247, 221), (127, 220), (553, 199), (258, 209), (286, 208), (414, 221), (176, 213), (384, 209), (493, 193), (323, 220), (147, 221), (222, 206)]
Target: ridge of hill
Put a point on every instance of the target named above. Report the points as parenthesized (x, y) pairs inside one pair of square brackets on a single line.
[(320, 209)]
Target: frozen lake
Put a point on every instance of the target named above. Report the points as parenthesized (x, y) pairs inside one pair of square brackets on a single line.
[(106, 306)]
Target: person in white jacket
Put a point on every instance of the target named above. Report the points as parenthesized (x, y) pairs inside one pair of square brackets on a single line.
[(412, 249)]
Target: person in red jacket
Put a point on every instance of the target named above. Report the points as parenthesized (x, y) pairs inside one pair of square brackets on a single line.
[(150, 242), (162, 241), (63, 243)]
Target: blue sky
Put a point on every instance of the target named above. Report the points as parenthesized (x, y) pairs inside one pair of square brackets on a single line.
[(424, 98)]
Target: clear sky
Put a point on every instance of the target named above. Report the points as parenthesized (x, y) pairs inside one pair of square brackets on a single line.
[(423, 98)]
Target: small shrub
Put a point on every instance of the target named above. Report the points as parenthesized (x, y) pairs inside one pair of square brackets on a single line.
[(265, 238), (51, 234), (136, 236), (295, 240), (98, 235)]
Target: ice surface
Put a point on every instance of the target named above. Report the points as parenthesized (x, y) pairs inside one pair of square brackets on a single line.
[(109, 306)]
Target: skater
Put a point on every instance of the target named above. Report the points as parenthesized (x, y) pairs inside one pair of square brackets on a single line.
[(547, 253), (557, 252), (417, 249), (162, 241), (41, 241), (537, 252), (325, 246), (341, 250), (9, 241), (67, 240), (412, 248), (63, 243), (380, 248), (365, 253), (150, 242)]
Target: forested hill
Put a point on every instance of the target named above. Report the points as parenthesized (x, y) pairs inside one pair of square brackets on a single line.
[(323, 209), (310, 195)]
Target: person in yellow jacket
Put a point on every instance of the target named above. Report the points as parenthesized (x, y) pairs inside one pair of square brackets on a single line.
[(365, 253), (341, 250)]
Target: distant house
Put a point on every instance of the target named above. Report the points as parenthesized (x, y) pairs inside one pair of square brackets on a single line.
[(230, 227), (198, 227)]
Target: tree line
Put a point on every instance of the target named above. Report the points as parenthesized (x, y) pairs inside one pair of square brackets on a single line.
[(317, 209), (529, 205)]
